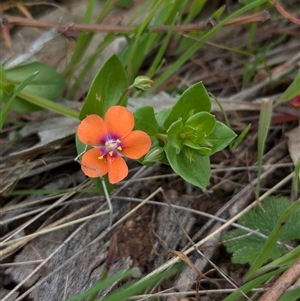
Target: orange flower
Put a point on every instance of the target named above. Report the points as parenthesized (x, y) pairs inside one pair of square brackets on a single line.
[(111, 138)]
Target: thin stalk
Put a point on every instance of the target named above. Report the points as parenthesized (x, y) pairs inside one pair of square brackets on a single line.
[(264, 122), (49, 105)]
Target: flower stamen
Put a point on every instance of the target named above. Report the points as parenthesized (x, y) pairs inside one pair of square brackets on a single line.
[(110, 148)]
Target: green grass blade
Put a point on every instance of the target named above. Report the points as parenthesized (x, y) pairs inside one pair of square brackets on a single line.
[(124, 293), (158, 58), (264, 122), (194, 11), (292, 91), (240, 138), (103, 284), (89, 64), (136, 52), (271, 241), (295, 183), (197, 45), (84, 40), (20, 87), (284, 261), (232, 146), (247, 287), (291, 295), (252, 31)]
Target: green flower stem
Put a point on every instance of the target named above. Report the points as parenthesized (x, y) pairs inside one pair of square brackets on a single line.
[(47, 104), (162, 137), (123, 95)]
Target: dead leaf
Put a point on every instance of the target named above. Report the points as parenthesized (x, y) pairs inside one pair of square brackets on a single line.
[(294, 144)]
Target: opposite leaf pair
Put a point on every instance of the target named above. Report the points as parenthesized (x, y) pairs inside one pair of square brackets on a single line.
[(183, 136)]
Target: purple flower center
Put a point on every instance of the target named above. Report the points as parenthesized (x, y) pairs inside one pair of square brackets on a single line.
[(110, 147)]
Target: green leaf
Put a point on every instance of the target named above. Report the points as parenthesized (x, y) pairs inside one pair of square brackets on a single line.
[(240, 138), (265, 116), (247, 287), (145, 120), (48, 84), (174, 135), (141, 285), (192, 144), (285, 260), (108, 89), (169, 71), (5, 110), (220, 137), (124, 3), (202, 123), (192, 167), (161, 117), (247, 248), (291, 295), (103, 284), (218, 13), (193, 100), (245, 2), (192, 133), (204, 151), (273, 238), (292, 91), (2, 77)]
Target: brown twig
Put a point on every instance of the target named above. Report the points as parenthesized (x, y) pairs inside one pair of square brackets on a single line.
[(283, 282), (284, 12), (6, 20)]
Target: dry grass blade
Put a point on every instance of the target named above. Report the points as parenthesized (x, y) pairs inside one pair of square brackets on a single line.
[(55, 225)]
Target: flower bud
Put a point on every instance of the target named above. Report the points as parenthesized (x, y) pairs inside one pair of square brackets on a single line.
[(142, 83), (155, 154)]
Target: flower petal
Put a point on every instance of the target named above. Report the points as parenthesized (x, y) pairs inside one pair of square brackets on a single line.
[(91, 130), (119, 121), (136, 144), (91, 165), (117, 169)]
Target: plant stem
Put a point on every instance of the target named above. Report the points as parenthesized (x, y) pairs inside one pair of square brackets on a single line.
[(49, 105), (123, 95), (162, 137)]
